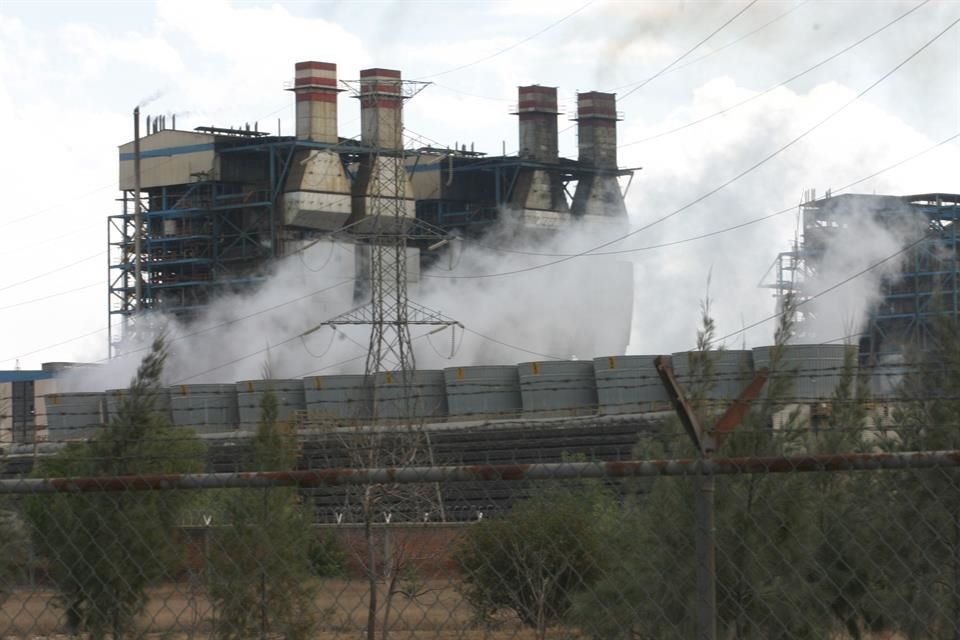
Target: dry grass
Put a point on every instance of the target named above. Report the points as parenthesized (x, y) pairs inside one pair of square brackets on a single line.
[(179, 612)]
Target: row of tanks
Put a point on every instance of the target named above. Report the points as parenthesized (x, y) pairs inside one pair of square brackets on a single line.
[(613, 385)]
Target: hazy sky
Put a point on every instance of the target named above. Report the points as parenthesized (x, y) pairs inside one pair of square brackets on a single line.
[(71, 73)]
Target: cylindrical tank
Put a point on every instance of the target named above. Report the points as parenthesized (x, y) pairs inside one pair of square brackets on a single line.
[(345, 397), (558, 387), (731, 372), (483, 390), (115, 396), (73, 416), (629, 384), (423, 395), (207, 408), (289, 394), (813, 369)]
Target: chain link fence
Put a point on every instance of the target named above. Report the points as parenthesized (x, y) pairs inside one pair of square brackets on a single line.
[(863, 545)]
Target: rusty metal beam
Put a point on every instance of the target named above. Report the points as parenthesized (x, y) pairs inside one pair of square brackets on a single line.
[(736, 412), (684, 411), (473, 473)]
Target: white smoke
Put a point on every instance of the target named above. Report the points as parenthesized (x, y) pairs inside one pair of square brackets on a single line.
[(859, 248), (579, 308)]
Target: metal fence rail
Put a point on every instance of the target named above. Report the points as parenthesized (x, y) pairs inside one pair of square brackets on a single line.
[(859, 545)]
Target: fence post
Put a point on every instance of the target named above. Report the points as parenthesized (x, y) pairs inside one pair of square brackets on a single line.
[(706, 442), (705, 546)]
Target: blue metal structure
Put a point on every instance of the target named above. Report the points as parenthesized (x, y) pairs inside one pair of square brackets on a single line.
[(926, 286)]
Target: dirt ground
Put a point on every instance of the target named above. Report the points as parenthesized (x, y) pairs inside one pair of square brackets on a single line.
[(178, 612)]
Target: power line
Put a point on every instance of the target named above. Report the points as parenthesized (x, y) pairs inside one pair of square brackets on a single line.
[(651, 247), (781, 84), (741, 38), (676, 68), (74, 199), (719, 188), (52, 295), (828, 289), (735, 227), (213, 327), (512, 346), (677, 60), (42, 275), (511, 47), (687, 52)]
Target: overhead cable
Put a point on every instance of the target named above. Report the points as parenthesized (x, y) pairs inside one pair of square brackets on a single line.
[(511, 47), (735, 227), (664, 70), (781, 84), (719, 188)]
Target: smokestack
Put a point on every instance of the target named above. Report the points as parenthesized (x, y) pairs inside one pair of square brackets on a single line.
[(597, 129), (598, 191), (381, 108), (315, 86), (537, 109)]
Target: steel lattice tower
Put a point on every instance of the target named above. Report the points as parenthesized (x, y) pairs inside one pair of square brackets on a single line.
[(385, 219)]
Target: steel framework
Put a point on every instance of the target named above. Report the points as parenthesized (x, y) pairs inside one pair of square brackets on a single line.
[(926, 286)]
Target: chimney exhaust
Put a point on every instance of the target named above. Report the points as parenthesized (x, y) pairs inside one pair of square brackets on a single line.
[(381, 108), (537, 111), (315, 86), (598, 191)]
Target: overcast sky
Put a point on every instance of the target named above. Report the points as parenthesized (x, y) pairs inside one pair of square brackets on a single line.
[(71, 72)]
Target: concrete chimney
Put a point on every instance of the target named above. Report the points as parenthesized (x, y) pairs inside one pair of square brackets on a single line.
[(598, 191), (538, 192), (537, 109), (381, 108), (597, 129), (317, 191), (315, 86)]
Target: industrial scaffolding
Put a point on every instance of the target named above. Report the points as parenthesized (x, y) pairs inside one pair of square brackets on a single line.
[(926, 286)]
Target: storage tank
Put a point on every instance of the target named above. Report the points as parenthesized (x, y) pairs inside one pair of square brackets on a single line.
[(558, 387), (732, 372), (73, 416), (629, 384), (483, 391), (114, 397), (345, 397), (815, 369), (289, 394), (424, 395), (207, 408)]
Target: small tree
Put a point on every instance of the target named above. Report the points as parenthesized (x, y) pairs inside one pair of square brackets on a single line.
[(533, 561), (103, 549), (763, 538), (260, 572), (920, 578)]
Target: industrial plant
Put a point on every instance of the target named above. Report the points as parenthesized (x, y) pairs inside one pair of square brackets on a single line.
[(218, 206), (208, 212)]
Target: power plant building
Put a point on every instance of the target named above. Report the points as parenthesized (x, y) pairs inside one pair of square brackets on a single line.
[(220, 206)]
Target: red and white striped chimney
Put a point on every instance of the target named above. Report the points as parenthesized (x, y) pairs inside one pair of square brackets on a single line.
[(597, 129), (537, 109), (381, 108), (315, 86)]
